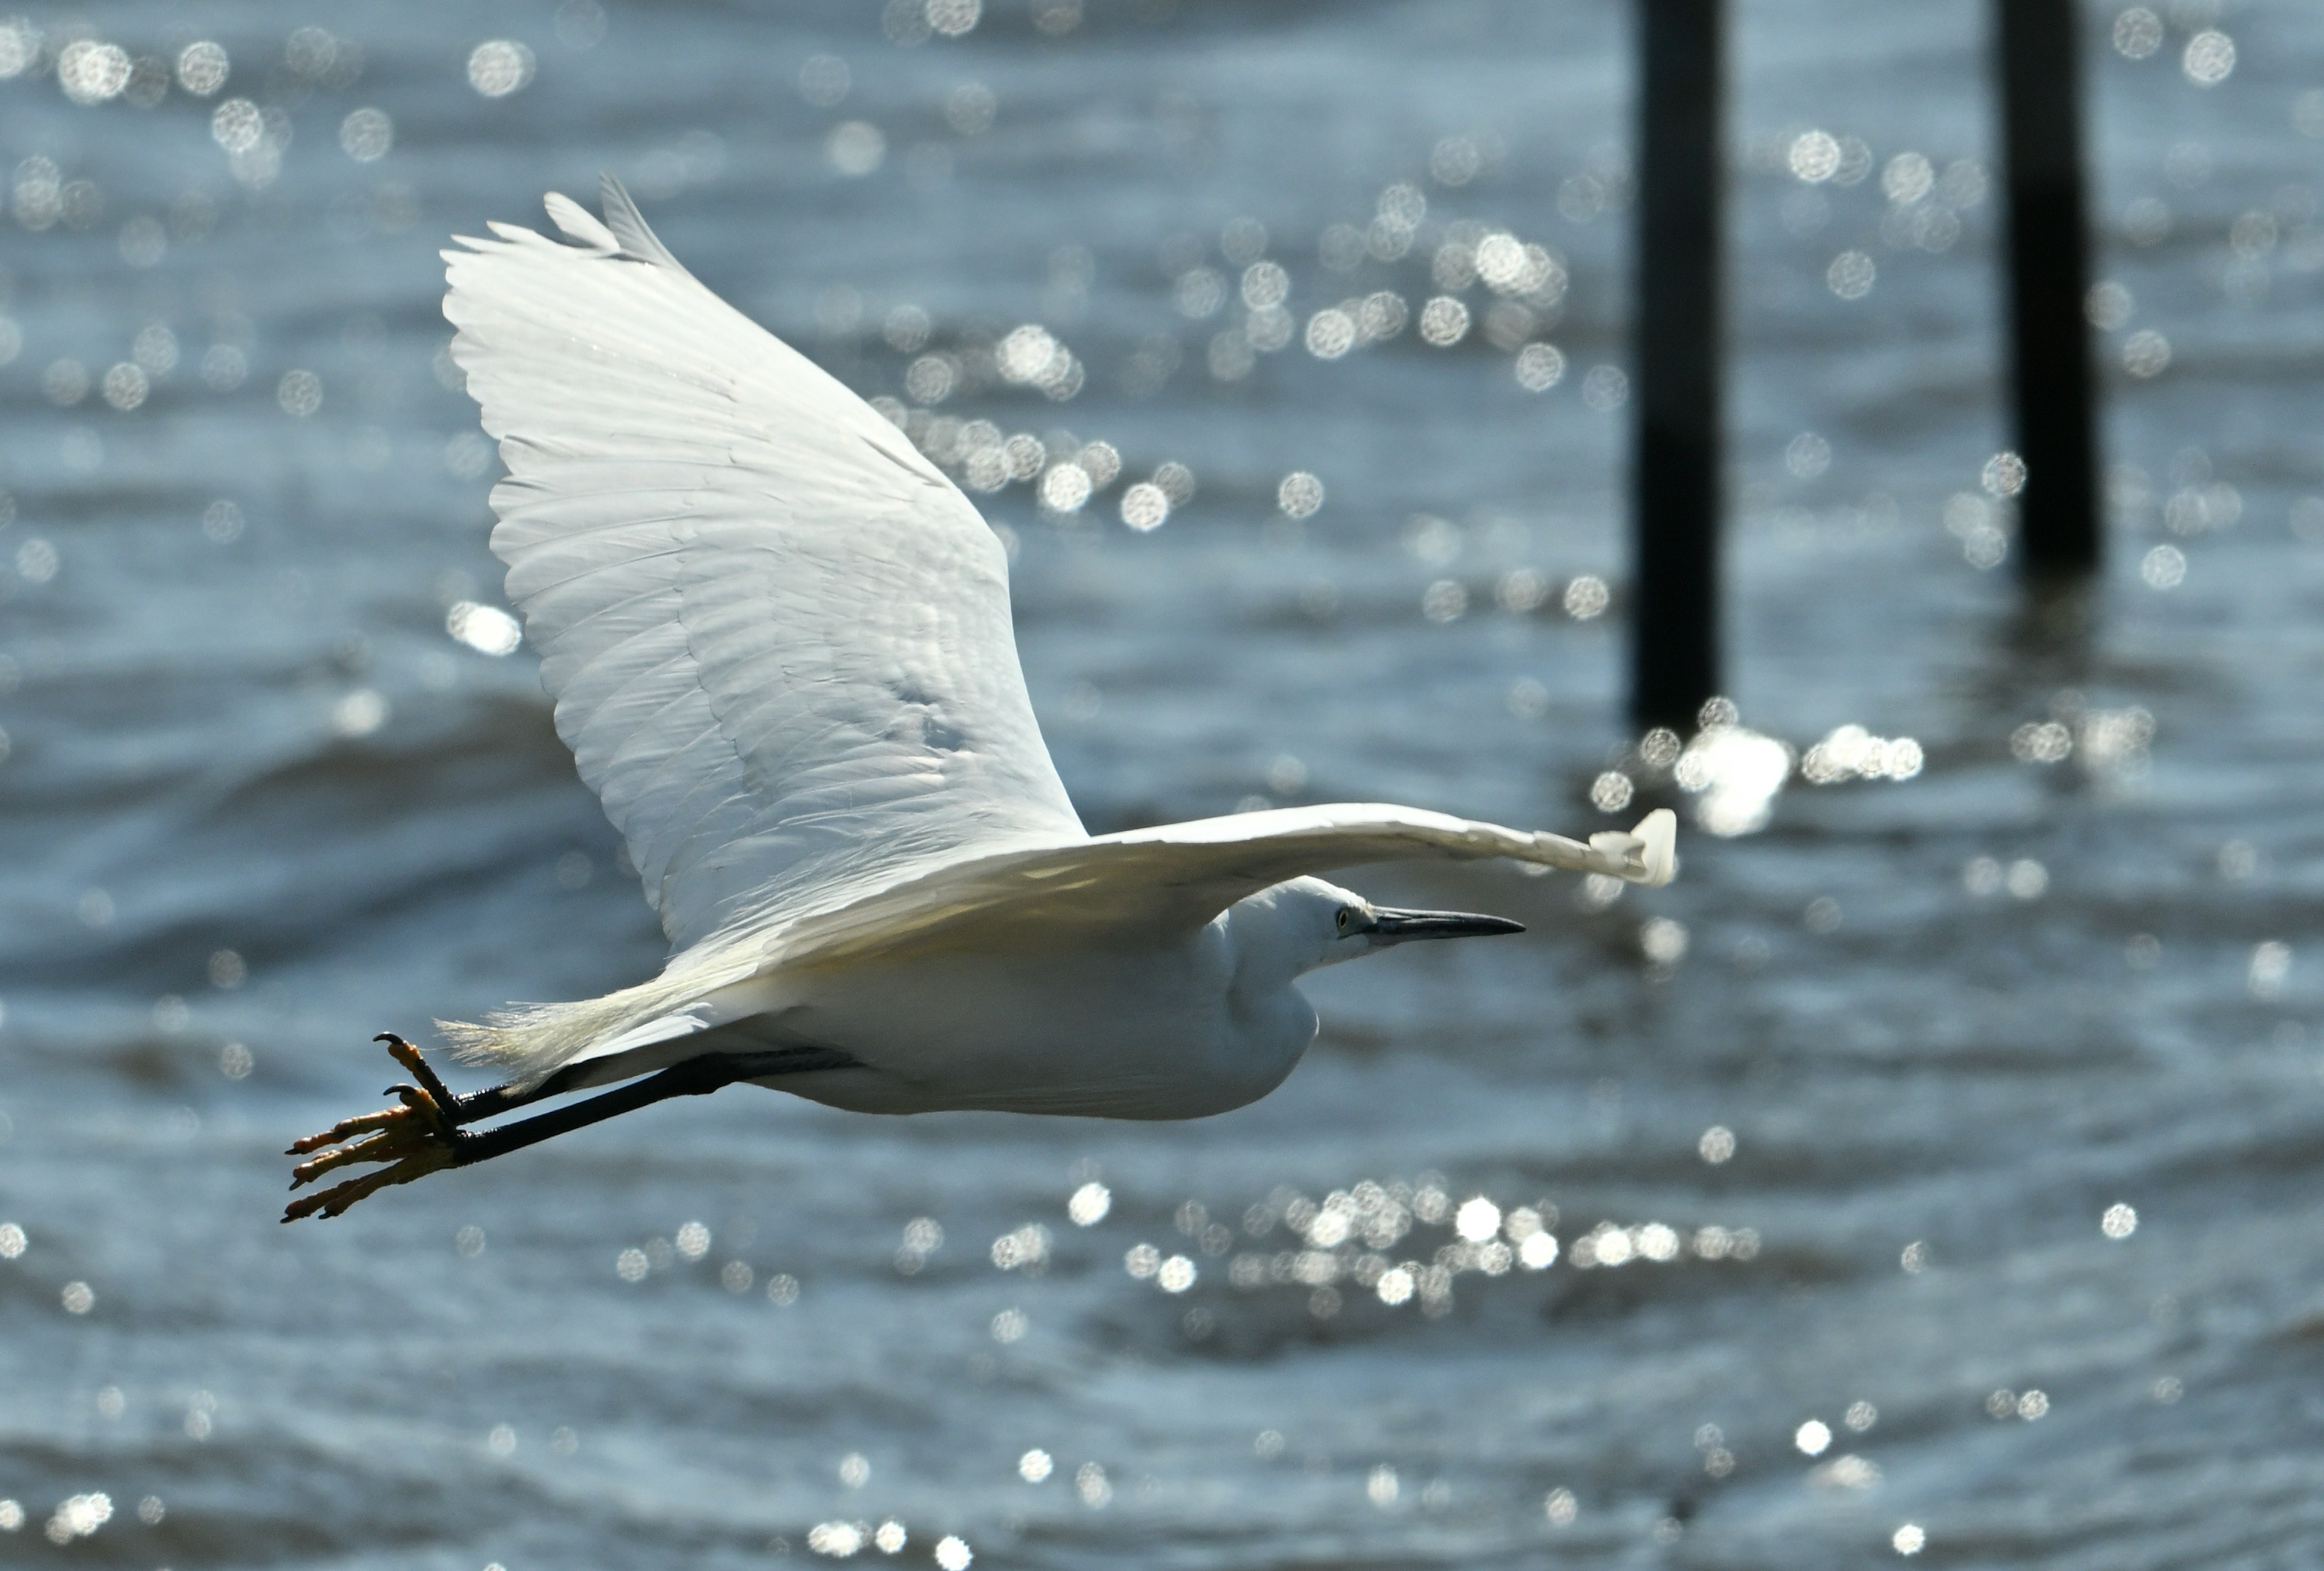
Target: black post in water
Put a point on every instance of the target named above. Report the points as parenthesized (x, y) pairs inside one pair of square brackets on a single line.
[(2038, 42), (1675, 622)]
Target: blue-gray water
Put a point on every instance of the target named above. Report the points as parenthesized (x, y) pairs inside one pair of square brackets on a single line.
[(257, 804)]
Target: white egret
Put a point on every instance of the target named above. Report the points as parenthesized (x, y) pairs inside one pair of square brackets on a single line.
[(779, 642)]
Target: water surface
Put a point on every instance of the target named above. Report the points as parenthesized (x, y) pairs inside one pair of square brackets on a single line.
[(258, 803)]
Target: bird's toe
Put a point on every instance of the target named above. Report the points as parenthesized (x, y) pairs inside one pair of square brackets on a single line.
[(334, 1200)]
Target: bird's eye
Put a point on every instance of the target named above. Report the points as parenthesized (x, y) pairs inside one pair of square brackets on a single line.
[(1343, 919)]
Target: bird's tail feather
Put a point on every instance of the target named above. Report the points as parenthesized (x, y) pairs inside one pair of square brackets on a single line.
[(530, 1041)]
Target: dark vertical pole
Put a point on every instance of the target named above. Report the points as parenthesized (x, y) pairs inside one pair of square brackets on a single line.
[(2037, 42), (1675, 622)]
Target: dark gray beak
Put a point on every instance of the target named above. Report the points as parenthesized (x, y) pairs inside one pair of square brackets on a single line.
[(1395, 926)]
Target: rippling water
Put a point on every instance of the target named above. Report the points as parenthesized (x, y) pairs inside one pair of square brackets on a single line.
[(1947, 1036)]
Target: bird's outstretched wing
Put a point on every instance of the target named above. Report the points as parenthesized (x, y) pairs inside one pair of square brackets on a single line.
[(1151, 881), (1133, 887), (778, 638)]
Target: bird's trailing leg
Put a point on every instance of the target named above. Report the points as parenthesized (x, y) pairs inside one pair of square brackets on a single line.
[(423, 1134)]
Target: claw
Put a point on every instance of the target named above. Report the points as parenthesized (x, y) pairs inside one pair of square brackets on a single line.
[(417, 1137), (405, 1054), (426, 1106), (334, 1201)]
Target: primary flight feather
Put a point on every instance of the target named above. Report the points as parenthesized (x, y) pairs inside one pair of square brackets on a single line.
[(778, 644)]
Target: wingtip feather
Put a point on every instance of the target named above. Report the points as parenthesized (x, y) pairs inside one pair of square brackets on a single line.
[(1657, 837), (1647, 854), (578, 223), (629, 226)]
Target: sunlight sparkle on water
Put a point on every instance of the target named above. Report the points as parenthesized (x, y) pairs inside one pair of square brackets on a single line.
[(1852, 752), (202, 68), (1064, 488), (2208, 58), (1477, 1220), (1847, 1472), (837, 1539), (359, 713), (2137, 32), (1443, 321), (367, 135), (1089, 1204), (1851, 275), (856, 148), (1144, 507), (1736, 775), (486, 629), (1299, 495), (299, 393), (1026, 1249), (1663, 940), (500, 67), (78, 1516)]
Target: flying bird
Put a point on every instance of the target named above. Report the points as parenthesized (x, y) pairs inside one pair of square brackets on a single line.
[(779, 642)]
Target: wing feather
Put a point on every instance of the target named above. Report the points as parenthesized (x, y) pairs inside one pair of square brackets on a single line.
[(579, 223), (778, 638), (1144, 883)]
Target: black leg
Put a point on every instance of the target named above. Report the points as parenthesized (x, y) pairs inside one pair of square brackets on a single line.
[(694, 1077), (494, 1100), (424, 1134)]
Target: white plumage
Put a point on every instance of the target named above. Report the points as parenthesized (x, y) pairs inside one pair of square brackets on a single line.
[(778, 637), (780, 645), (779, 641)]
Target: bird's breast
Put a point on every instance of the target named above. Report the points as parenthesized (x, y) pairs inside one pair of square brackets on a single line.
[(1148, 1031)]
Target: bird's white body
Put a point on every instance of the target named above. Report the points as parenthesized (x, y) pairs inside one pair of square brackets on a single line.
[(1159, 1031), (1198, 1023), (779, 643), (1146, 1031)]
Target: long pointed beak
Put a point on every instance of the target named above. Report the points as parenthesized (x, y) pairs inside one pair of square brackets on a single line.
[(1395, 926)]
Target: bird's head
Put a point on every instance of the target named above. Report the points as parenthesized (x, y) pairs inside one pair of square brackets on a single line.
[(1306, 924)]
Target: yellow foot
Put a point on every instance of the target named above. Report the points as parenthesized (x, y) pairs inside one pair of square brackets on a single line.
[(416, 1138)]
